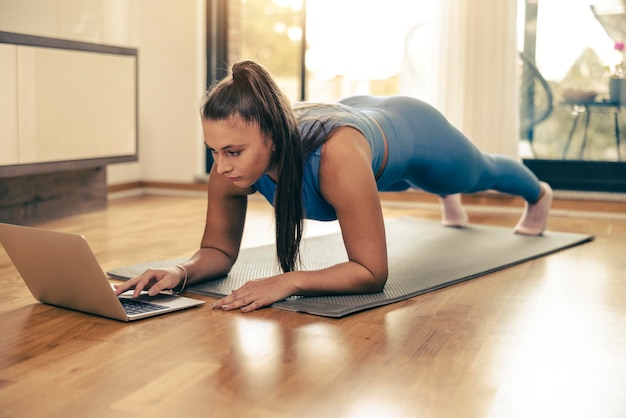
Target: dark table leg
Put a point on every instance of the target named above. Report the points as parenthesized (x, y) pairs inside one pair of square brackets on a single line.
[(584, 143), (617, 135), (571, 134)]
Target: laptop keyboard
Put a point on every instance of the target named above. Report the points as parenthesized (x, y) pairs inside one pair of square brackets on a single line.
[(134, 306)]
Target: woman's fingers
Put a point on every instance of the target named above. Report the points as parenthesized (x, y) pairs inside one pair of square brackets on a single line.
[(150, 280), (253, 295), (237, 299), (127, 285)]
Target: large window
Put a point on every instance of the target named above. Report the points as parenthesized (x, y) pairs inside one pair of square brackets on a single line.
[(368, 54), (578, 145), (312, 53), (577, 61)]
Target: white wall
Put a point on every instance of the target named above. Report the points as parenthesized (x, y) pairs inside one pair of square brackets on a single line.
[(170, 38)]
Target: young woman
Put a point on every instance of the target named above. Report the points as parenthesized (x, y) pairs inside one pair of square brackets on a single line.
[(326, 162)]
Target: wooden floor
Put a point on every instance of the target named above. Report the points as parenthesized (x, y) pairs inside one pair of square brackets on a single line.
[(546, 338)]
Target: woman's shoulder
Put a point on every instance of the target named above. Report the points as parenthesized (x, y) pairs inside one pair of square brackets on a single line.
[(345, 141)]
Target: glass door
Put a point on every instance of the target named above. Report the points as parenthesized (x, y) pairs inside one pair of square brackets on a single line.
[(576, 49)]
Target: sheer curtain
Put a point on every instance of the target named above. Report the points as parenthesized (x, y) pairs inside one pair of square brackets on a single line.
[(477, 69)]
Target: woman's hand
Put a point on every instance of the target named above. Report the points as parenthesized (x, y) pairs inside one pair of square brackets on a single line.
[(257, 294), (152, 280)]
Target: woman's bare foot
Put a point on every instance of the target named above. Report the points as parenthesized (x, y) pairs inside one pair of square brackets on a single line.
[(535, 217), (452, 212)]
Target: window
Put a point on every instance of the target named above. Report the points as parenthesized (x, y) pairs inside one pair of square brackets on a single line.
[(579, 145), (368, 57), (577, 61)]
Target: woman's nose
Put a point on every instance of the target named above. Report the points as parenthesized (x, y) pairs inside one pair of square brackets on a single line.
[(220, 165)]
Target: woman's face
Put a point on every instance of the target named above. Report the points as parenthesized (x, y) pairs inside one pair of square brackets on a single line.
[(241, 152)]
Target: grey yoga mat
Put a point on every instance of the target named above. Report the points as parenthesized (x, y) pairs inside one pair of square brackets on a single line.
[(423, 256)]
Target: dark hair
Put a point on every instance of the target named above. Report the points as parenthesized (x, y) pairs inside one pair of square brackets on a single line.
[(251, 93)]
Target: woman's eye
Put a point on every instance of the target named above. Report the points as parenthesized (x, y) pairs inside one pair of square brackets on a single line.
[(233, 153)]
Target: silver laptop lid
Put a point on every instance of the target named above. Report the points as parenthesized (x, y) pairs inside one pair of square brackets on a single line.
[(60, 269)]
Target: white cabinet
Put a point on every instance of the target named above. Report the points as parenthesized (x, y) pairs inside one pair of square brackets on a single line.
[(74, 105), (65, 101)]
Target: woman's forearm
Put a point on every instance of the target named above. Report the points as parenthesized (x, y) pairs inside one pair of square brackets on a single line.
[(343, 278)]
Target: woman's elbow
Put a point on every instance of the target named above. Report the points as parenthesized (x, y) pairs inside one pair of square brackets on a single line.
[(377, 281)]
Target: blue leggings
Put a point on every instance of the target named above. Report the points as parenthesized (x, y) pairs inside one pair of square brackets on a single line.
[(428, 153)]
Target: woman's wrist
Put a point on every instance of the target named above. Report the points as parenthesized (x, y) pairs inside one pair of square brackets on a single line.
[(183, 283)]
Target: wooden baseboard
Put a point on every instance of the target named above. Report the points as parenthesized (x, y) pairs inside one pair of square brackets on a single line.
[(174, 186), (124, 187)]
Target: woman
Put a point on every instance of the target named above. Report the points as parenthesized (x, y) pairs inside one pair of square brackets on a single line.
[(328, 162)]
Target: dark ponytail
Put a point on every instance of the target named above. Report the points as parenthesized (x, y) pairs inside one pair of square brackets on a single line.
[(251, 93)]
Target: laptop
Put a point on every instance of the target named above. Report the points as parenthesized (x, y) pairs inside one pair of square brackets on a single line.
[(60, 269)]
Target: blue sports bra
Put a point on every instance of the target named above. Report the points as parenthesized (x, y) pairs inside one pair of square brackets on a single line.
[(315, 207)]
